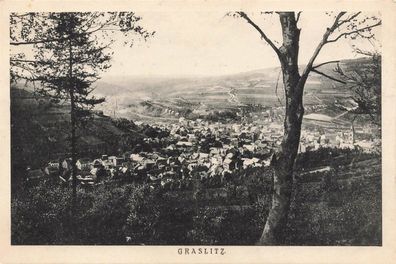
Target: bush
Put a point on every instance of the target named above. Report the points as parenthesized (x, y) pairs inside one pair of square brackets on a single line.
[(42, 216), (327, 212), (115, 213), (99, 216), (107, 214), (103, 214)]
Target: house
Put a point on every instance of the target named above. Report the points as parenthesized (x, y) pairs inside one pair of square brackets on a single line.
[(203, 156), (66, 164), (266, 162), (116, 161), (316, 170), (302, 148), (107, 163), (83, 164), (214, 151), (53, 164), (161, 160), (136, 157), (229, 164), (34, 175), (52, 167), (367, 146), (216, 160), (192, 138), (148, 163), (250, 147), (171, 147), (184, 144), (254, 162), (347, 146), (97, 163)]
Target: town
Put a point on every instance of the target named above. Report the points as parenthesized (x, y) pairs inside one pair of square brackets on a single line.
[(210, 152), (195, 127)]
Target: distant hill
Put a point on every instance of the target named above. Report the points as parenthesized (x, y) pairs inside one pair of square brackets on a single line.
[(125, 94)]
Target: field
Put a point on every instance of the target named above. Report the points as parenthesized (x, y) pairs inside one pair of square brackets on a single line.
[(207, 93)]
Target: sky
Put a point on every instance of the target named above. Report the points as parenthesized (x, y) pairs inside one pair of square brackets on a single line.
[(210, 43), (202, 43)]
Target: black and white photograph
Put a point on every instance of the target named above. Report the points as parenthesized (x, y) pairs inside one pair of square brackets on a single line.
[(199, 129), (127, 131)]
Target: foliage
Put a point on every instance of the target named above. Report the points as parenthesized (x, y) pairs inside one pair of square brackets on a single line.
[(107, 214), (226, 226), (70, 50), (121, 214), (222, 116), (97, 219), (344, 208), (364, 80), (124, 124), (240, 216), (154, 132), (50, 222), (339, 208), (330, 156), (40, 29)]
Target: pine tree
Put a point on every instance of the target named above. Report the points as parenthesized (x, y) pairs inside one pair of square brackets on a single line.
[(70, 51)]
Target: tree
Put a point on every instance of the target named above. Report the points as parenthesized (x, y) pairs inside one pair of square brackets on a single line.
[(70, 50), (345, 25), (364, 81)]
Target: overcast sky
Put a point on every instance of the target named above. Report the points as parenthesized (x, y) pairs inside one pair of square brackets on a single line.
[(209, 43)]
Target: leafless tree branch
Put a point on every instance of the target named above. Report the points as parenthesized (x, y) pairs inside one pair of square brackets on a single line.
[(327, 76), (324, 40), (354, 32), (324, 63), (276, 89), (36, 42), (348, 19), (262, 34)]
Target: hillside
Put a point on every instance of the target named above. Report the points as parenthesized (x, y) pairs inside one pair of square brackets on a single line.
[(338, 207), (126, 96), (40, 130)]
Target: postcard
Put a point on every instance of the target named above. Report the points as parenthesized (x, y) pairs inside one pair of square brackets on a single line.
[(198, 131)]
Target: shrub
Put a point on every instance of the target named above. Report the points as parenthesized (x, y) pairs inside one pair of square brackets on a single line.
[(42, 216), (103, 214), (107, 214), (157, 218)]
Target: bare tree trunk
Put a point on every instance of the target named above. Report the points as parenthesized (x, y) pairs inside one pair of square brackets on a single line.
[(274, 230), (275, 227)]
